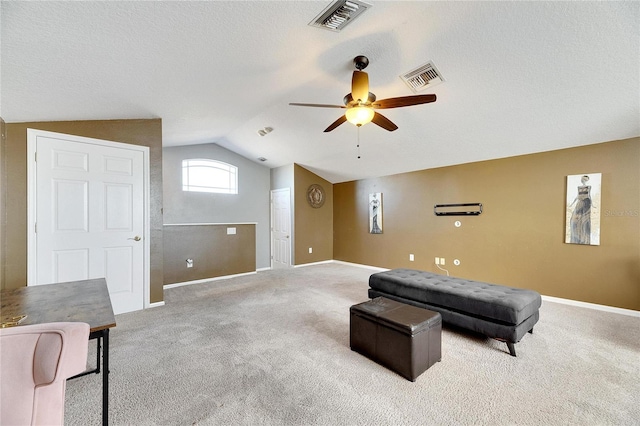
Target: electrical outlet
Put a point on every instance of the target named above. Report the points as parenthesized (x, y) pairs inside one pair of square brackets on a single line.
[(442, 261), (310, 250), (411, 258), (437, 261)]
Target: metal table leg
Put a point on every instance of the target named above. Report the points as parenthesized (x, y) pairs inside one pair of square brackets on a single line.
[(102, 348), (105, 377)]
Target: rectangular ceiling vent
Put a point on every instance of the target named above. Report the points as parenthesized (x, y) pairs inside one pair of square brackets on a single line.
[(423, 77), (339, 14)]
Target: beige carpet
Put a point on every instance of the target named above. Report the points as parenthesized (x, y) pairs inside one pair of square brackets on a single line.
[(273, 349)]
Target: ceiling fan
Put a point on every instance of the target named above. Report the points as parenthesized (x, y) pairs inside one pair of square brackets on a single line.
[(360, 103)]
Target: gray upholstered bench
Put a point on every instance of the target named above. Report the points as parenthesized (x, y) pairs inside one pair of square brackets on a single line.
[(500, 312)]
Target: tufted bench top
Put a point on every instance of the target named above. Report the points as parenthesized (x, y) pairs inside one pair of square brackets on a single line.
[(500, 303)]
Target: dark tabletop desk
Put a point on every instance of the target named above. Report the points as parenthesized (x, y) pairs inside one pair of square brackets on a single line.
[(78, 301)]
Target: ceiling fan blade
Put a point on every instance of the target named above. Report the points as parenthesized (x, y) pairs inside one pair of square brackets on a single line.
[(360, 86), (336, 123), (317, 105), (403, 101), (383, 122)]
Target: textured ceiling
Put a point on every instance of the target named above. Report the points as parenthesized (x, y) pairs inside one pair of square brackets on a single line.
[(520, 77)]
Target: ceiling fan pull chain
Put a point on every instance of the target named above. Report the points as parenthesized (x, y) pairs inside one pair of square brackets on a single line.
[(358, 146)]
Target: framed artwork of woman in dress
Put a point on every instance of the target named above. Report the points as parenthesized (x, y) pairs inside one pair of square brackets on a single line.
[(583, 209), (375, 213)]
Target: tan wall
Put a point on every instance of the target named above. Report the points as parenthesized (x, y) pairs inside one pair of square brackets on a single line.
[(313, 226), (137, 132), (518, 240), (214, 252)]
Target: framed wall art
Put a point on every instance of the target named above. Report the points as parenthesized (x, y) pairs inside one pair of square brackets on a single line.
[(375, 213), (582, 224)]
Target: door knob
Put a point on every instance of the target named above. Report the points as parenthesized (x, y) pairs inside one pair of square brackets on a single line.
[(136, 238)]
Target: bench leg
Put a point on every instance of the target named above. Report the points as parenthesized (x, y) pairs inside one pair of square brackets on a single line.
[(531, 331), (512, 348)]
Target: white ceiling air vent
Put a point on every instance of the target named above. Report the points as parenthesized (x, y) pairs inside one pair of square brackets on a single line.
[(339, 14), (423, 77)]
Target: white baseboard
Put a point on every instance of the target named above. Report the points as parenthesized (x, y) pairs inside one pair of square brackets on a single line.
[(595, 306), (206, 280), (155, 305), (358, 265), (302, 265)]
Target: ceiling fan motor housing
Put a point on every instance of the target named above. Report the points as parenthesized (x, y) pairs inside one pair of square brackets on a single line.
[(361, 62), (348, 99)]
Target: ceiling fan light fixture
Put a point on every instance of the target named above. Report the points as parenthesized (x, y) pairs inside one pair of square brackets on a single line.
[(359, 115)]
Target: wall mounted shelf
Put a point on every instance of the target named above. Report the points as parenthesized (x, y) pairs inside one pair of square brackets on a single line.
[(465, 209)]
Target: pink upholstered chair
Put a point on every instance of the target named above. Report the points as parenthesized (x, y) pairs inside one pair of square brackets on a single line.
[(35, 362)]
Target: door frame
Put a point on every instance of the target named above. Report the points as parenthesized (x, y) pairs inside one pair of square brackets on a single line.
[(288, 190), (32, 135)]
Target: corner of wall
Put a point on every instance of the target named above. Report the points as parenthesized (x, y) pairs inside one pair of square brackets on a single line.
[(313, 227), (3, 198)]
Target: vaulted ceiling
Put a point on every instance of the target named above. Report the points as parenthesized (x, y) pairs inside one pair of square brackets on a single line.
[(520, 77)]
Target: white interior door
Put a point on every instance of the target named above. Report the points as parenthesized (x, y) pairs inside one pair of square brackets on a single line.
[(280, 228), (89, 215)]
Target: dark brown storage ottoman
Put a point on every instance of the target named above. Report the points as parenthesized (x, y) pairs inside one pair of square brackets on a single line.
[(403, 338)]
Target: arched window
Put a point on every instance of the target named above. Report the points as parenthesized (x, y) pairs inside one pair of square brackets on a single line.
[(202, 175)]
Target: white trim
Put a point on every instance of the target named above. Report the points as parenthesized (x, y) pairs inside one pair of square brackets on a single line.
[(31, 207), (263, 269), (206, 280), (32, 135), (206, 224), (156, 304), (147, 225), (313, 263), (612, 309), (358, 265)]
